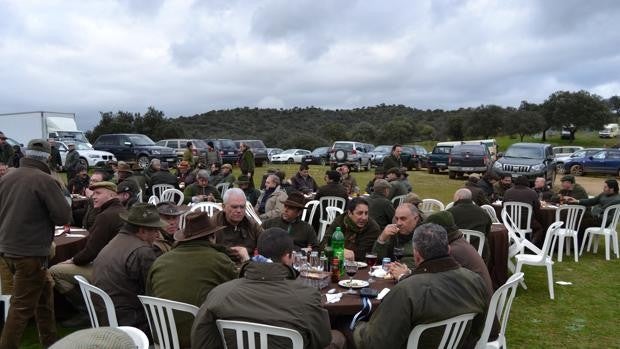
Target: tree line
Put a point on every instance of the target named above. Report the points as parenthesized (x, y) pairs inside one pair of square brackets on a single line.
[(312, 127)]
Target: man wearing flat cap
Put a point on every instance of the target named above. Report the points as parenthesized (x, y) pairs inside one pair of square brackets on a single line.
[(196, 263), (122, 266), (568, 187), (72, 161), (302, 233), (106, 226), (251, 194), (127, 193), (171, 214), (397, 187)]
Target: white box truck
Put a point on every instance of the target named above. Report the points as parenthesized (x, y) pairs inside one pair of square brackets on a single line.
[(41, 124)]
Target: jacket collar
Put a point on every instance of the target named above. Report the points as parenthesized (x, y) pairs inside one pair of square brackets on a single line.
[(267, 271), (26, 162), (111, 202), (436, 265), (463, 202)]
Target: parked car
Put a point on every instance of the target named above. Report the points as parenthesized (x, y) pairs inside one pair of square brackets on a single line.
[(563, 160), (561, 153), (468, 158), (609, 131), (379, 153), (89, 157), (229, 152), (354, 154), (273, 151), (257, 147), (290, 156), (527, 159), (199, 147), (438, 158), (421, 152), (319, 156), (606, 161), (411, 158), (13, 143), (136, 148)]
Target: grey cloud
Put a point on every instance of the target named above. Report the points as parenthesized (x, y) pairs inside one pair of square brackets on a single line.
[(143, 7)]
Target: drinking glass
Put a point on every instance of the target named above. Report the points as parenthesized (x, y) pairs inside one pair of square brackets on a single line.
[(315, 261), (371, 260), (296, 260), (398, 253), (350, 268)]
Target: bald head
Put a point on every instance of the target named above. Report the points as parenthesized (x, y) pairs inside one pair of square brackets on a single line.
[(462, 194)]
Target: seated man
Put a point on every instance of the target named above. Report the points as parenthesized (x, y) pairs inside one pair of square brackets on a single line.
[(468, 215), (127, 193), (521, 192), (568, 187), (303, 182), (271, 202), (163, 176), (170, 213), (226, 174), (123, 264), (196, 263), (438, 289), (185, 177), (397, 187), (380, 208), (239, 230), (360, 231), (267, 292), (379, 174), (90, 212), (215, 173), (478, 195), (106, 226), (79, 183), (302, 233), (347, 179), (251, 193), (398, 235), (541, 188), (333, 187), (599, 203), (201, 191), (154, 167), (499, 188)]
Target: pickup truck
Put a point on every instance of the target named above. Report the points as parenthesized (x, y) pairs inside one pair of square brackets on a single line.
[(468, 158), (438, 158), (528, 159)]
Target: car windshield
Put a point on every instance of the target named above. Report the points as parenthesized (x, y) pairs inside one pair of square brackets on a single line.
[(579, 154), (472, 149), (254, 144), (442, 150), (199, 143), (525, 152), (140, 140), (288, 151), (82, 146), (343, 146), (383, 149), (319, 151)]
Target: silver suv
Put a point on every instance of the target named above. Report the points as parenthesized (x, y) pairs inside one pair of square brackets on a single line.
[(354, 154)]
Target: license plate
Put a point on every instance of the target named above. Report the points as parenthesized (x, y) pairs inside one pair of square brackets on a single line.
[(441, 164), (231, 153), (468, 168), (170, 160), (308, 160), (515, 175)]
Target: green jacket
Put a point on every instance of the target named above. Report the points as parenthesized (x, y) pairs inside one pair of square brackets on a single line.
[(578, 193), (72, 161), (194, 190), (437, 290), (387, 249), (397, 188), (302, 233), (197, 265), (391, 162), (468, 215), (380, 209), (246, 162), (359, 241), (600, 203)]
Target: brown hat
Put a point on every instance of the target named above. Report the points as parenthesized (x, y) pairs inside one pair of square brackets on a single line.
[(295, 199), (197, 225), (40, 145), (167, 208), (183, 164), (568, 178), (243, 179), (104, 185), (127, 186), (228, 166), (122, 166), (143, 215)]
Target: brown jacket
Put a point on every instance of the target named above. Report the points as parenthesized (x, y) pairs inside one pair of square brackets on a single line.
[(245, 234)]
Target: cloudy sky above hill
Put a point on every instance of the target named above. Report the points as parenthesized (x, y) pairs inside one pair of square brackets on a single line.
[(186, 57)]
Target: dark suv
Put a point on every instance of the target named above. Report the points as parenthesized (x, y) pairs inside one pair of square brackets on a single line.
[(258, 148), (229, 153), (527, 159), (468, 158), (136, 148)]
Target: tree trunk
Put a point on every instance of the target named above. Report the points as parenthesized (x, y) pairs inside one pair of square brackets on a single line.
[(521, 135), (572, 136), (544, 135)]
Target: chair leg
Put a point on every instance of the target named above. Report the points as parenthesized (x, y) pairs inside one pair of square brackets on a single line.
[(575, 248), (550, 280), (607, 247), (560, 248), (594, 243), (614, 241), (518, 269), (586, 235), (322, 230)]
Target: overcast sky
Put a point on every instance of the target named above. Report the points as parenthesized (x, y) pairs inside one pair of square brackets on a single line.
[(187, 57)]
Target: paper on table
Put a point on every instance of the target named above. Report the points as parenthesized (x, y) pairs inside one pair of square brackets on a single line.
[(333, 298), (75, 235), (78, 230), (563, 283), (378, 273)]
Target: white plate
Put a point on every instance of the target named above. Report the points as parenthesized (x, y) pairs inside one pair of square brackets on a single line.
[(355, 283), (361, 265)]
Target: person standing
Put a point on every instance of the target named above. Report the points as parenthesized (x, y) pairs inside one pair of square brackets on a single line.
[(246, 163), (188, 154), (6, 151), (394, 160), (72, 161), (25, 242), (213, 155)]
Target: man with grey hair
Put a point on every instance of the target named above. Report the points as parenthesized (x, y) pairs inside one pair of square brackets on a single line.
[(395, 239), (201, 191), (240, 231), (468, 215), (380, 208), (31, 204), (410, 303)]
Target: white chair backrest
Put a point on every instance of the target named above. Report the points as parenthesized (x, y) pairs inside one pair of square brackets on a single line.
[(521, 215), (613, 222), (572, 216), (6, 299), (429, 206), (161, 319), (209, 207), (491, 212), (330, 201), (249, 330), (139, 196), (454, 330), (552, 230), (251, 214), (332, 213), (222, 187), (449, 205), (139, 338), (309, 211), (397, 200), (87, 291), (499, 308), (172, 195), (467, 234), (153, 200), (158, 189)]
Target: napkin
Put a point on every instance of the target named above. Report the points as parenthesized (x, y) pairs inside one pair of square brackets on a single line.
[(378, 273), (75, 235), (333, 298)]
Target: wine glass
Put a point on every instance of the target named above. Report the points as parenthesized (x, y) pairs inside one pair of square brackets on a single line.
[(350, 268), (371, 260)]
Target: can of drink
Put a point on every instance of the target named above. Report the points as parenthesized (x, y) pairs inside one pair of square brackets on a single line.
[(385, 263)]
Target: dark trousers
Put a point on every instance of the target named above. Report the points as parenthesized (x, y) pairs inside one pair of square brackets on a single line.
[(32, 296)]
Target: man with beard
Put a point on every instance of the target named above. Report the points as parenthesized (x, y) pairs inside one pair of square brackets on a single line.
[(302, 233)]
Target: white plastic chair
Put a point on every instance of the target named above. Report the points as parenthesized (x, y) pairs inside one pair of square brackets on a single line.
[(491, 212), (574, 215), (516, 212), (161, 319), (210, 208), (455, 328), (332, 213), (607, 230), (499, 308), (249, 330), (250, 213), (467, 234), (309, 211), (222, 187), (87, 291), (139, 196), (158, 189), (153, 200), (139, 338), (6, 299), (449, 205), (397, 200), (430, 206), (172, 195), (541, 257), (324, 203)]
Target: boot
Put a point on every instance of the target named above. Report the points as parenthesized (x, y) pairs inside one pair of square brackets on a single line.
[(81, 318)]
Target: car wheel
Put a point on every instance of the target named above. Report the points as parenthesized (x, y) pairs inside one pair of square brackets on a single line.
[(559, 168), (290, 161), (451, 174), (418, 166), (323, 162), (358, 167), (143, 161), (576, 170), (84, 162), (430, 170)]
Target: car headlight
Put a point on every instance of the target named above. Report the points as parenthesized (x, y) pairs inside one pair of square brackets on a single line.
[(93, 156), (497, 165), (157, 152), (538, 167)]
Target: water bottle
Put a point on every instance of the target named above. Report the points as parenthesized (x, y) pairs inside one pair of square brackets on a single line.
[(338, 247), (324, 263)]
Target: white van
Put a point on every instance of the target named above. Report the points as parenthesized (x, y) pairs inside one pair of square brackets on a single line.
[(609, 131)]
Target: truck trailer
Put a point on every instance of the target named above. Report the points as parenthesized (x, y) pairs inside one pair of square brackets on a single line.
[(41, 124)]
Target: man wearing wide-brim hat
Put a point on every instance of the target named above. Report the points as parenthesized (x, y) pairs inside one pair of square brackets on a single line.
[(122, 266), (302, 233), (171, 214), (196, 263)]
